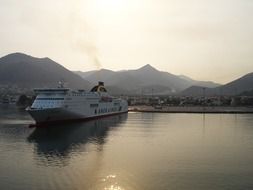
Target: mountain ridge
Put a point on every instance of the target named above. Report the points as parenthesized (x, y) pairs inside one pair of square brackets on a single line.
[(235, 87), (142, 78), (29, 72), (23, 70)]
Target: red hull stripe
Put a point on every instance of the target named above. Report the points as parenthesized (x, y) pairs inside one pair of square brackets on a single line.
[(46, 123)]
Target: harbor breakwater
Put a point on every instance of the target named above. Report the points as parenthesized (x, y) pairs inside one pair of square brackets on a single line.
[(191, 109)]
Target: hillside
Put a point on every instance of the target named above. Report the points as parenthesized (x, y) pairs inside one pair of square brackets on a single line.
[(245, 83), (236, 87), (208, 84), (145, 80), (26, 71), (247, 93)]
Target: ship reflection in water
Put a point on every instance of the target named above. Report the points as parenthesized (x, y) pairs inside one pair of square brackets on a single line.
[(56, 144)]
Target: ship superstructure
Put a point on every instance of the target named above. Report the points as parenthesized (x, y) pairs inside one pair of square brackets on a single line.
[(63, 104)]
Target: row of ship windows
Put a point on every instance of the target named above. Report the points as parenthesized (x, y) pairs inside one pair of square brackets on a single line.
[(91, 95), (49, 98), (105, 110), (96, 105), (49, 103), (78, 94)]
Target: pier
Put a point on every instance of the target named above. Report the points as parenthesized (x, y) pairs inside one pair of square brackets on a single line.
[(192, 109)]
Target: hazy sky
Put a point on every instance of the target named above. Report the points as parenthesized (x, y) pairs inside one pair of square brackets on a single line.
[(203, 39)]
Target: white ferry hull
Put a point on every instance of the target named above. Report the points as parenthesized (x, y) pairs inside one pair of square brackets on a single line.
[(60, 115)]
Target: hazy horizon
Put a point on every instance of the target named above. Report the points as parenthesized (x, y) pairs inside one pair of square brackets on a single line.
[(209, 40)]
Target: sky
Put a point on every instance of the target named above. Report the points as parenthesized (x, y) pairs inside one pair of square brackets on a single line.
[(202, 39)]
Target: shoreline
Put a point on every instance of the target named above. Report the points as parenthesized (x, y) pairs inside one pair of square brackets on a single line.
[(193, 109)]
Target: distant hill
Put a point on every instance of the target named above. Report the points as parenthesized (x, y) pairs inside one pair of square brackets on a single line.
[(84, 74), (235, 87), (145, 80), (198, 91), (238, 86), (22, 70), (26, 71), (247, 93), (208, 84)]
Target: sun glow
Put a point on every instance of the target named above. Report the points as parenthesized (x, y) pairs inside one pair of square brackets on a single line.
[(110, 5)]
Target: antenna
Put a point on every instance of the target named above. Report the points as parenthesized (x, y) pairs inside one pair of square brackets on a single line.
[(61, 84), (100, 83)]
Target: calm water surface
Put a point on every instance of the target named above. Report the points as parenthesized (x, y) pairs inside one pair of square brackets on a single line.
[(134, 151)]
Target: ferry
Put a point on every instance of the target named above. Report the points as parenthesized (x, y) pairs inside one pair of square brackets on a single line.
[(57, 105)]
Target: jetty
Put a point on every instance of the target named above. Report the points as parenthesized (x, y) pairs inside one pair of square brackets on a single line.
[(192, 109)]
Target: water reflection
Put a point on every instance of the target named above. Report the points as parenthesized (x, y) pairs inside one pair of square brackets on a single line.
[(55, 145), (134, 151), (204, 125)]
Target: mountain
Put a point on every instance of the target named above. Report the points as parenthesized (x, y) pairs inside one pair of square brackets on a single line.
[(208, 84), (84, 74), (247, 93), (26, 71), (238, 86), (149, 76), (145, 80), (235, 87), (198, 91)]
